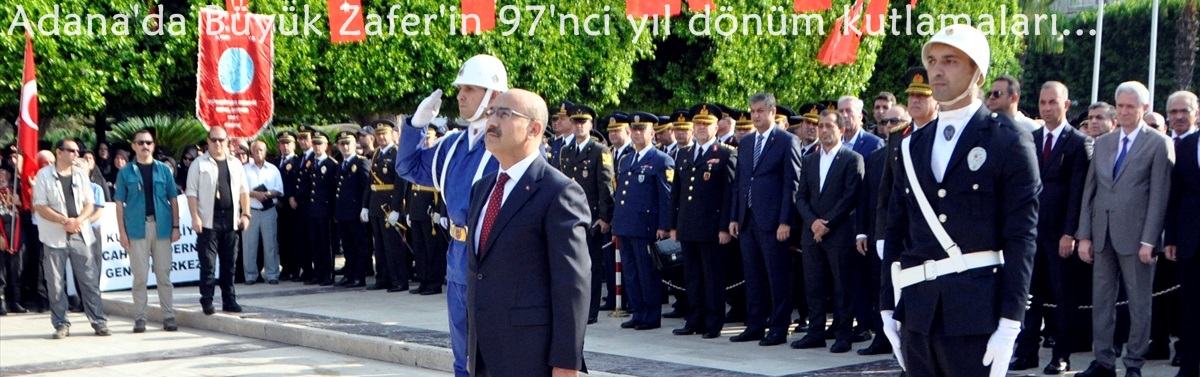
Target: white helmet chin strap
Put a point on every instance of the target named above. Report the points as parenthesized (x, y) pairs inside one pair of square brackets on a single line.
[(487, 97), (974, 79)]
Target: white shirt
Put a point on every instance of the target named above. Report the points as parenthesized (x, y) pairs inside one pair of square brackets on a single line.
[(267, 176), (514, 174), (1052, 135), (583, 144), (668, 149), (827, 161), (1132, 137), (702, 148), (942, 148), (475, 132), (621, 151), (855, 138), (1185, 134)]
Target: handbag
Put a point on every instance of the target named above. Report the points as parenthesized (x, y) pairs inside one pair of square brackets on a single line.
[(666, 254)]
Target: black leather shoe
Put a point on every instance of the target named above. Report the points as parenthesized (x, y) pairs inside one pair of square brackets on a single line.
[(1158, 351), (1057, 366), (376, 287), (684, 331), (17, 309), (231, 307), (326, 282), (647, 327), (1023, 363), (628, 324), (809, 341), (208, 308), (711, 334), (432, 291), (311, 281), (251, 282), (401, 288), (607, 307), (673, 314), (356, 284), (592, 320), (420, 288), (1133, 372), (841, 346), (773, 339), (860, 336), (747, 336), (1049, 342), (878, 347), (1097, 370), (343, 282)]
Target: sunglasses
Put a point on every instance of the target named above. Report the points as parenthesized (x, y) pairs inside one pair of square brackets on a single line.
[(996, 94), (890, 121), (144, 142), (217, 139), (68, 150)]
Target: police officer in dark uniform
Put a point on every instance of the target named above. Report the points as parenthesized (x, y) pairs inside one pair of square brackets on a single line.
[(588, 162), (429, 239), (289, 170), (352, 180), (384, 195), (301, 193), (318, 194), (702, 197)]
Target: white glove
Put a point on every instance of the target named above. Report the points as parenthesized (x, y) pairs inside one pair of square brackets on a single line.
[(428, 109), (408, 220), (393, 218), (362, 215), (879, 248), (891, 329), (444, 222), (1000, 347)]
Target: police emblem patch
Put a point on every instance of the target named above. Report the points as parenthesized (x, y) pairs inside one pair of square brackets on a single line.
[(322, 170)]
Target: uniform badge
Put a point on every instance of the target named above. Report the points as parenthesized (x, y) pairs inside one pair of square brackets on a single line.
[(707, 175), (385, 169), (976, 158), (606, 159), (288, 167), (322, 170), (354, 168), (670, 175), (308, 164), (585, 173), (641, 178)]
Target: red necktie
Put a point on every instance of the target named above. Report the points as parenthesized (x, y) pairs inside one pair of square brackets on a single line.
[(1046, 151), (493, 209)]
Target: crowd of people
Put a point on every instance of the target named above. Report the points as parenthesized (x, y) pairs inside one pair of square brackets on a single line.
[(952, 227)]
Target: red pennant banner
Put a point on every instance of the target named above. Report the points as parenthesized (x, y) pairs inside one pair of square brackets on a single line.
[(805, 6), (235, 73), (27, 133), (345, 21), (478, 16)]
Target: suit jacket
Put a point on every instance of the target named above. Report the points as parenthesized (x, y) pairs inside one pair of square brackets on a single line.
[(701, 196), (1130, 207), (592, 169), (867, 143), (992, 206), (867, 215), (1063, 177), (835, 203), (773, 183), (527, 298), (352, 180), (1182, 221), (643, 194), (891, 164)]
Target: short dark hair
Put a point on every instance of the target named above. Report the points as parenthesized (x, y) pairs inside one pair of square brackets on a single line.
[(886, 96), (62, 142), (1109, 110), (144, 131), (1014, 85), (765, 98), (841, 119)]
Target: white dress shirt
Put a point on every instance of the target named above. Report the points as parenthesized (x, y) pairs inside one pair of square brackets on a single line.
[(700, 150), (268, 176), (826, 162), (1053, 135), (942, 149), (514, 174)]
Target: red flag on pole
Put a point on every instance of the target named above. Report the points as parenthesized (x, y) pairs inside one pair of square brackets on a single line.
[(478, 15), (876, 17), (841, 47), (700, 5), (805, 6), (667, 8), (27, 133)]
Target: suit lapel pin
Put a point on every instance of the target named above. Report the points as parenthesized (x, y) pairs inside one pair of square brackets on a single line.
[(976, 158)]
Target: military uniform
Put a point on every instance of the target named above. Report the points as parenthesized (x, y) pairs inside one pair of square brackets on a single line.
[(591, 166), (352, 180), (318, 192), (556, 144), (384, 194), (642, 199), (429, 239), (702, 197), (289, 169)]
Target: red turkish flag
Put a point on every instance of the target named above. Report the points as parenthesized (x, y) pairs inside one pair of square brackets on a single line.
[(235, 73), (805, 6), (701, 5), (27, 125), (839, 47), (667, 8), (876, 13), (484, 9), (346, 21)]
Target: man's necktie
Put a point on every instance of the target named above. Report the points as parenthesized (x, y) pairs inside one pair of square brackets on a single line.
[(758, 147), (1046, 150), (494, 202), (1121, 156)]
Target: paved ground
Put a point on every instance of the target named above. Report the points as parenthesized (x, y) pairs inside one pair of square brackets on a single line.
[(292, 329)]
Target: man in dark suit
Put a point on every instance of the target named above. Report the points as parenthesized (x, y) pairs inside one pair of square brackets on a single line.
[(1063, 160), (700, 221), (1125, 202), (317, 192), (642, 215), (352, 181), (762, 219), (527, 303), (962, 224), (589, 163), (827, 195), (1182, 239), (858, 139)]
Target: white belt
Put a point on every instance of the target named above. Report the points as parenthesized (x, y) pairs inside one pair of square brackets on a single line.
[(931, 269)]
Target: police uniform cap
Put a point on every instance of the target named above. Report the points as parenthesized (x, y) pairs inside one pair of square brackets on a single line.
[(665, 122), (346, 137), (782, 112), (306, 131), (320, 137), (286, 137)]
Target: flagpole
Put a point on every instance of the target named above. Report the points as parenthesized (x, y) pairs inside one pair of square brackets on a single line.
[(1096, 58), (1153, 50)]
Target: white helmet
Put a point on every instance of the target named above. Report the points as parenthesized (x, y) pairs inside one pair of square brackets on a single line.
[(484, 71), (967, 39)]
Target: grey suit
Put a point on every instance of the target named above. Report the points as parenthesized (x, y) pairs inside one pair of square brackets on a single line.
[(1121, 213)]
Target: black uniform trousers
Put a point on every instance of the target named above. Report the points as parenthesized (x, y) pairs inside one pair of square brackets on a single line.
[(1064, 283), (865, 284), (289, 244), (822, 264), (429, 250), (595, 242), (391, 257), (10, 277), (354, 247), (320, 250), (33, 280), (1189, 305), (1164, 311), (734, 272), (936, 354), (218, 244), (704, 273)]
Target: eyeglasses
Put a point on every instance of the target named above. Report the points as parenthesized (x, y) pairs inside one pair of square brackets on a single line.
[(71, 150), (890, 121), (996, 94), (217, 139), (144, 142), (504, 113)]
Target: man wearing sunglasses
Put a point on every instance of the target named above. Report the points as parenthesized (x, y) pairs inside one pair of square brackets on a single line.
[(63, 201), (219, 202), (1004, 98), (451, 166)]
